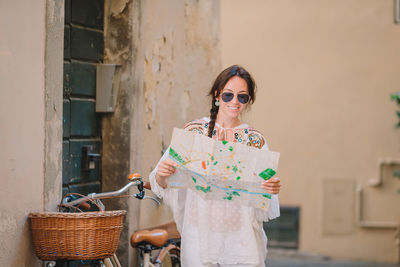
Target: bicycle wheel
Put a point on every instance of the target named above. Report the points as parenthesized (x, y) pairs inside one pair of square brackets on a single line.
[(175, 255), (171, 260), (175, 260)]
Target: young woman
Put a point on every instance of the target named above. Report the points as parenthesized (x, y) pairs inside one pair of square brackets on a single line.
[(220, 233)]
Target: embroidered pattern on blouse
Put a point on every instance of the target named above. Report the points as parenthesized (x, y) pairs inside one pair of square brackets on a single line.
[(248, 136), (255, 139)]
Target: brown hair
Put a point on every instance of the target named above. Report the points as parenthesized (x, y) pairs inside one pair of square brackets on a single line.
[(220, 83)]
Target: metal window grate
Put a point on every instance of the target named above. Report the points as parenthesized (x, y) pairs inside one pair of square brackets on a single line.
[(397, 11), (283, 232)]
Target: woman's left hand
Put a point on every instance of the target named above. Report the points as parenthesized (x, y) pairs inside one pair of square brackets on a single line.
[(272, 186)]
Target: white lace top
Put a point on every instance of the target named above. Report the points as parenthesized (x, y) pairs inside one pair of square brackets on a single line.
[(213, 231)]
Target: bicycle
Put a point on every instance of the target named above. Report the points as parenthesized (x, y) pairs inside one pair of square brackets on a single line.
[(147, 243), (164, 238)]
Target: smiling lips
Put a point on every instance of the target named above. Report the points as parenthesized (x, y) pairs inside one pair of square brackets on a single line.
[(234, 108)]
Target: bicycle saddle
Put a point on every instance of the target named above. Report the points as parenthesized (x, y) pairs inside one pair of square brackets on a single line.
[(170, 228), (157, 237)]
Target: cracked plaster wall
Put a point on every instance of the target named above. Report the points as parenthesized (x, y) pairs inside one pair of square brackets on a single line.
[(180, 57)]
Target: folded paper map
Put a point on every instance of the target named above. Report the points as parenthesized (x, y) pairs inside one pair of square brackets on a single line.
[(221, 170)]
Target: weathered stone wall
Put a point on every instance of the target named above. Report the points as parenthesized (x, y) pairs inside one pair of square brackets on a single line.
[(53, 103), (120, 48)]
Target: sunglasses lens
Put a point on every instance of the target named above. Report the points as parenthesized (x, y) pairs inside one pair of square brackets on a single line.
[(243, 98), (226, 97)]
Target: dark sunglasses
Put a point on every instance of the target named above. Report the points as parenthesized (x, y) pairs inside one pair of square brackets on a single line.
[(227, 97)]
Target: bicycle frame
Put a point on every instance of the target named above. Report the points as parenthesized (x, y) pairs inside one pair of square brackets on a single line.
[(157, 262), (146, 260)]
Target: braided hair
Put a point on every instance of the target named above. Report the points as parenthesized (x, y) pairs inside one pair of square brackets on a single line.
[(220, 83)]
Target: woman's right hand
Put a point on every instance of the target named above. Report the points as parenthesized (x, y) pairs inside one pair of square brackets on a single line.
[(165, 169)]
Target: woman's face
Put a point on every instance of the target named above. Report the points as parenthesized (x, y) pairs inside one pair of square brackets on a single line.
[(232, 109)]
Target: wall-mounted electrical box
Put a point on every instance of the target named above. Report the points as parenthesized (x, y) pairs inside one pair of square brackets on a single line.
[(108, 77)]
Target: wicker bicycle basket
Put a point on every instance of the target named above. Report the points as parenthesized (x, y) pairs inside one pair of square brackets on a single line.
[(76, 236)]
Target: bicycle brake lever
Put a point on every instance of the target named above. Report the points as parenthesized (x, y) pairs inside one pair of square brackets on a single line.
[(140, 195)]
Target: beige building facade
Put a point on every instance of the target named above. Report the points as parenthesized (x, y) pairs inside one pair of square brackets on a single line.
[(325, 71)]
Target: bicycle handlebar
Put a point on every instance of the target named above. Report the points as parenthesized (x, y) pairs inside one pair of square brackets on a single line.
[(135, 180)]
